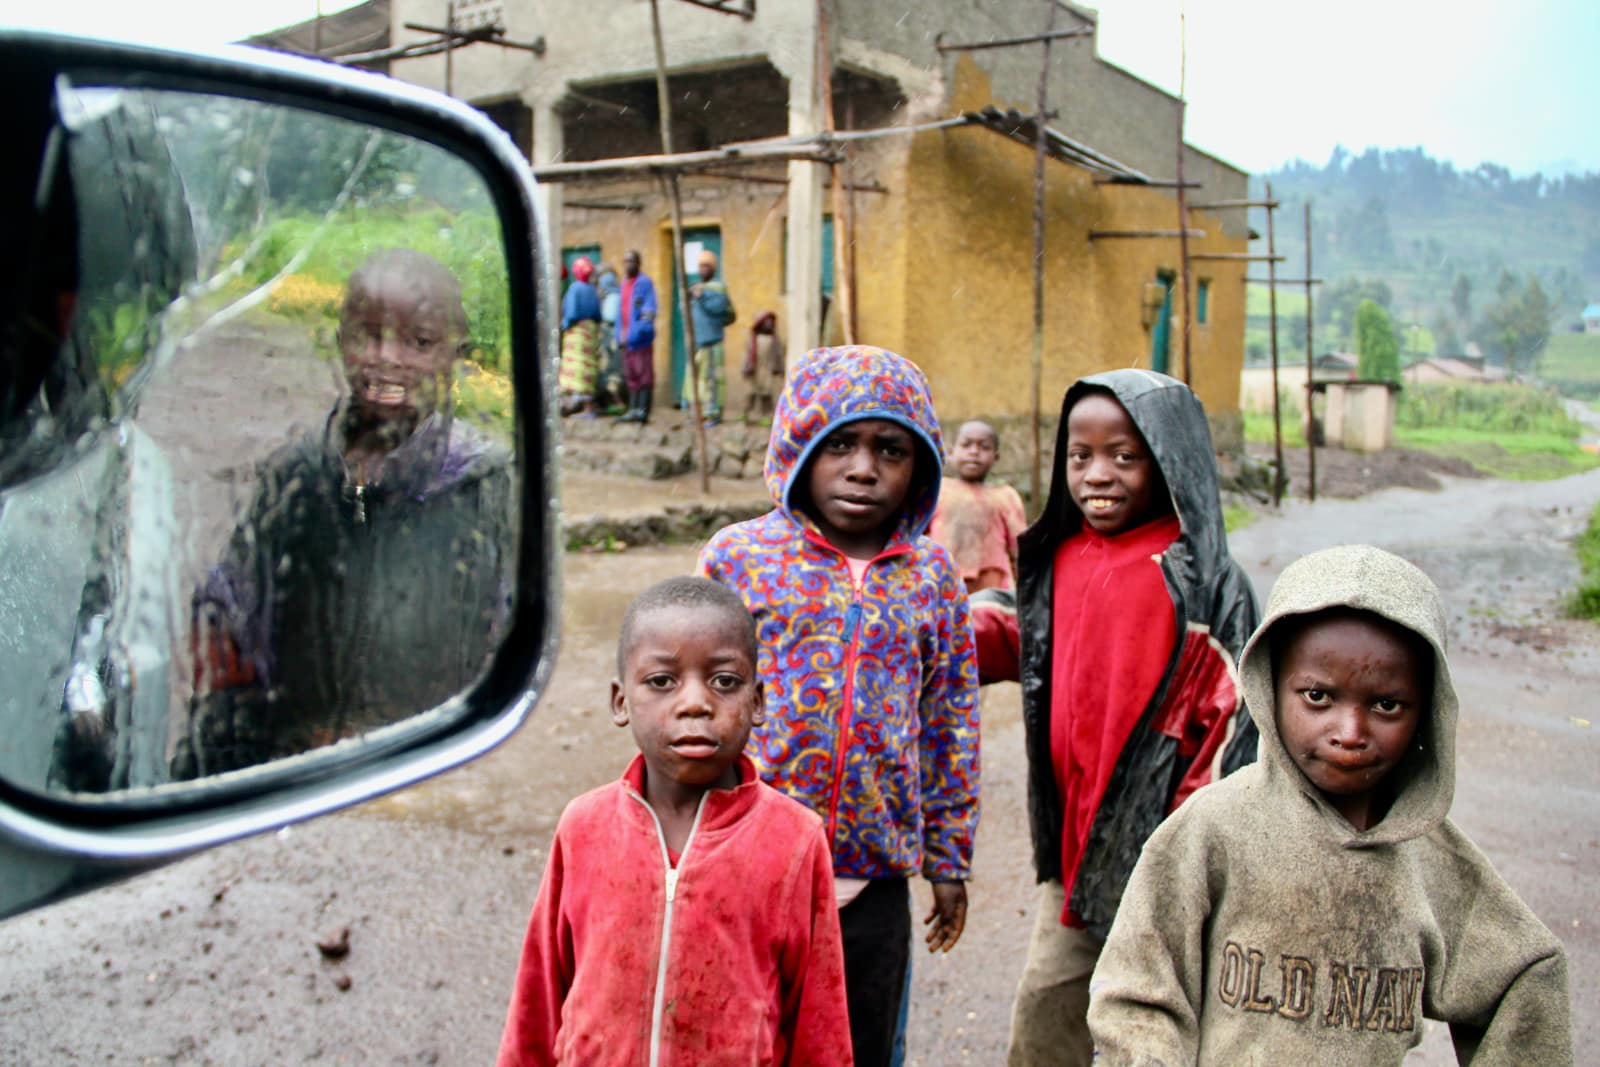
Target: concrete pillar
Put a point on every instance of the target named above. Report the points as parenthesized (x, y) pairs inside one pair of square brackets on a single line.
[(547, 148), (804, 225)]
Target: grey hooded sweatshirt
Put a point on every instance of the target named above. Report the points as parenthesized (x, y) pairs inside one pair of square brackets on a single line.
[(1260, 927)]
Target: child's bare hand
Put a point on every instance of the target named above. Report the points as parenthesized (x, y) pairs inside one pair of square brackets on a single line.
[(947, 917)]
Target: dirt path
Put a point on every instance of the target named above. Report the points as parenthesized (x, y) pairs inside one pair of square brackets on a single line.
[(214, 960)]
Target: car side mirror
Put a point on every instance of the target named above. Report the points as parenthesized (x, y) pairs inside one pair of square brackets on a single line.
[(276, 468)]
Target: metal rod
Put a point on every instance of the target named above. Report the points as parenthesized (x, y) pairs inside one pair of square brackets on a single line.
[(1183, 201), (491, 34), (1041, 133), (767, 179), (604, 205), (450, 53), (1283, 281), (1237, 257), (850, 211), (680, 269), (842, 291), (1149, 183), (1217, 205), (747, 13), (1099, 235), (1311, 436), (1006, 42), (727, 155), (1272, 322)]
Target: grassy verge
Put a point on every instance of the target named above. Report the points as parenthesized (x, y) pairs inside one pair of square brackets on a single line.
[(1258, 428), (1237, 517), (1585, 601), (1532, 456)]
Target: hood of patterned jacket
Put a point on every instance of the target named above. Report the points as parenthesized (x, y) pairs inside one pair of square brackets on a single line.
[(1367, 579), (1210, 592), (830, 387)]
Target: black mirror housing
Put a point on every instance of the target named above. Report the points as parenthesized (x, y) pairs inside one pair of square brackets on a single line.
[(54, 842)]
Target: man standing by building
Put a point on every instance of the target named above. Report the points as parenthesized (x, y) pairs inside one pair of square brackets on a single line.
[(712, 312), (638, 336)]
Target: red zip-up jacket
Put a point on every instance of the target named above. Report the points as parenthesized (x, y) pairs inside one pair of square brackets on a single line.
[(730, 958)]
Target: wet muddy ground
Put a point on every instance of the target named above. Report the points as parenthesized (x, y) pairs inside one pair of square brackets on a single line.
[(215, 960)]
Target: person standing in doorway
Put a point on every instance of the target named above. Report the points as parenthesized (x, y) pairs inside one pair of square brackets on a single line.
[(638, 332), (712, 313)]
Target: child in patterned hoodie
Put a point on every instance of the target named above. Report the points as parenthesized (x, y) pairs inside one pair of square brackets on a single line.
[(867, 658)]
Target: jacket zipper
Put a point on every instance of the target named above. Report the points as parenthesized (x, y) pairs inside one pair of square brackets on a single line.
[(852, 630), (657, 1008)]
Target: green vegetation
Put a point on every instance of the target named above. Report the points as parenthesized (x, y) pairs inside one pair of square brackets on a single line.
[(1258, 428), (1570, 364), (1506, 409), (1585, 602), (1376, 346), (466, 242), (1523, 456), (1506, 431), (1237, 517)]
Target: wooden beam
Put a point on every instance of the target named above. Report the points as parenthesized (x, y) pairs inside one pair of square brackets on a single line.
[(1239, 257), (1217, 205), (1095, 235), (1007, 42), (681, 161), (1147, 183)]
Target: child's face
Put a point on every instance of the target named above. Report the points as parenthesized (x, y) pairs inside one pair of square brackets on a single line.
[(857, 481), (1349, 695), (689, 690), (1113, 478), (975, 451), (398, 339)]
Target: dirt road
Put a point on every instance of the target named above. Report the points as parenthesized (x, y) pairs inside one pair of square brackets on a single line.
[(214, 961)]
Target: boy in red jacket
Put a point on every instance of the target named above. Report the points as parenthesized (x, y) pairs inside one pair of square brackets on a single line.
[(686, 915)]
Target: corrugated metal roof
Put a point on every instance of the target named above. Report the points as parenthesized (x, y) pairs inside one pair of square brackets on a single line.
[(361, 28), (1023, 129)]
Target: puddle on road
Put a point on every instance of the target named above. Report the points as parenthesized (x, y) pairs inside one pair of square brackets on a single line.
[(569, 745)]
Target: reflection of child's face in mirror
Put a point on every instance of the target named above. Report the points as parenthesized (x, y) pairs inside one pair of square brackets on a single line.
[(401, 329)]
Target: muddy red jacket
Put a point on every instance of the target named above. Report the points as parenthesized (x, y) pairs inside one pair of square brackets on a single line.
[(871, 690), (730, 959)]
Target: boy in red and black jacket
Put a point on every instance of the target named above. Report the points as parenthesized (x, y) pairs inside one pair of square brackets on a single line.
[(1131, 614)]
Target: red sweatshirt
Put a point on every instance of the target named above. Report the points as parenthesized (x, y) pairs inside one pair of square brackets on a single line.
[(730, 958)]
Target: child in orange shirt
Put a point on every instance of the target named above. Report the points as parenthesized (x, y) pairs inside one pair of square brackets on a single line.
[(979, 523)]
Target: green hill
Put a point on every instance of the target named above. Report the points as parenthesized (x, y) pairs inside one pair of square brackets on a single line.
[(1417, 226)]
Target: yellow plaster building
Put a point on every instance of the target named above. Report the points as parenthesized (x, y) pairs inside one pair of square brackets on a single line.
[(942, 219)]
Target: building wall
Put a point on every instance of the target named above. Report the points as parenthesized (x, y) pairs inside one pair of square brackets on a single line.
[(944, 257), (969, 281)]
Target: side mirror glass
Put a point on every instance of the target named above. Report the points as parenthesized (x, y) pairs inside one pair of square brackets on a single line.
[(275, 483)]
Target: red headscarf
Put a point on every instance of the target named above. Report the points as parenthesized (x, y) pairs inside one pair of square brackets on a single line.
[(582, 268)]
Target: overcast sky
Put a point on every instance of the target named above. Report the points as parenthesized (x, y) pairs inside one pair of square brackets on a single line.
[(1267, 81)]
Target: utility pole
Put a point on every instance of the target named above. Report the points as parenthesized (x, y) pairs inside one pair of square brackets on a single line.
[(682, 269)]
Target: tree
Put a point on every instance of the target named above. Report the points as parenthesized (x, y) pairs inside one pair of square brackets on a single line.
[(1514, 330), (1376, 347), (1461, 298), (1446, 342)]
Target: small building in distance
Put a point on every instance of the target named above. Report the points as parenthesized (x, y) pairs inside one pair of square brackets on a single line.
[(1591, 319)]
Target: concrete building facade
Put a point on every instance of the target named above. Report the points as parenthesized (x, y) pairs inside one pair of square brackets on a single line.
[(942, 219)]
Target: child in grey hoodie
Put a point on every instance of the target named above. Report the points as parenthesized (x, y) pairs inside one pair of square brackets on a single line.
[(1313, 907)]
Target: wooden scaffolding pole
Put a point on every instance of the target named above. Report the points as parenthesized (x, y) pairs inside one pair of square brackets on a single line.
[(1183, 200), (1311, 409), (843, 250), (681, 269), (1272, 325), (1035, 479)]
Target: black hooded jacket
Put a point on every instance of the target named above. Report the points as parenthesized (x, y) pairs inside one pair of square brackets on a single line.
[(1208, 590)]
